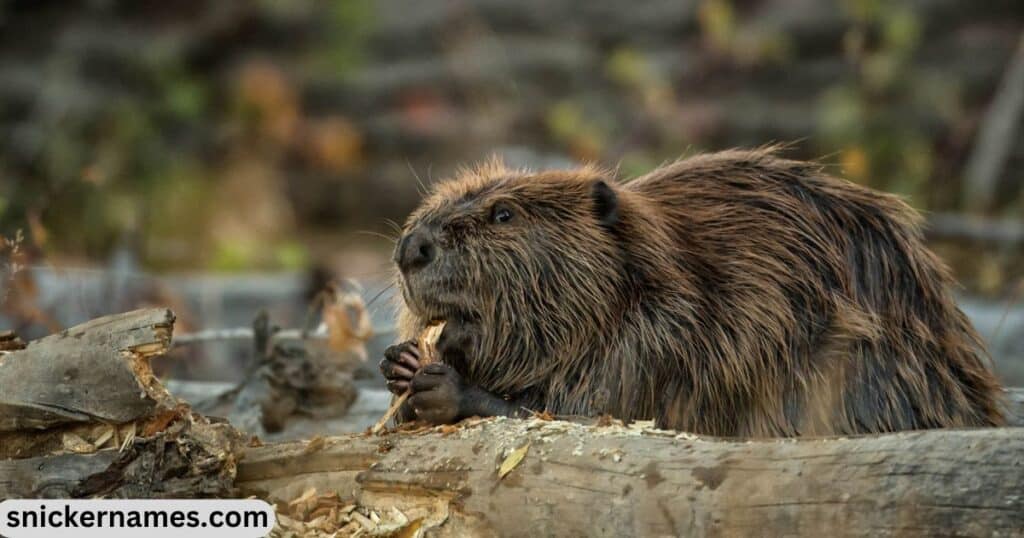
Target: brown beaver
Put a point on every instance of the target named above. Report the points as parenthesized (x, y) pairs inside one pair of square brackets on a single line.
[(732, 294)]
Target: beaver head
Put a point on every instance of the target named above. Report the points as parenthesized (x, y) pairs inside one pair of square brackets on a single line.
[(530, 259)]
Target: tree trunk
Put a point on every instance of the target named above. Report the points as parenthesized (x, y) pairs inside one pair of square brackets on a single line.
[(590, 480)]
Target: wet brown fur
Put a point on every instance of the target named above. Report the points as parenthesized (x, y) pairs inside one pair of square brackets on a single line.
[(734, 294)]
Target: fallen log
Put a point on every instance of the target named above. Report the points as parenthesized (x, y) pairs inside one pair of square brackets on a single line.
[(82, 415), (537, 477), (502, 476), (191, 458), (96, 371)]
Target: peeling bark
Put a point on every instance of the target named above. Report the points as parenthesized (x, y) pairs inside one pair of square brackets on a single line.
[(191, 458)]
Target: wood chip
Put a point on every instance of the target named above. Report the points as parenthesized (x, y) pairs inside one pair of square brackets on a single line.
[(323, 511), (306, 495), (160, 422), (315, 445), (74, 443), (363, 520), (411, 530), (106, 434), (317, 523), (545, 415), (129, 437), (398, 516)]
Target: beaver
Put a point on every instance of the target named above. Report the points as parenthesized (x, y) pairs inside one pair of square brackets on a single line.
[(737, 293)]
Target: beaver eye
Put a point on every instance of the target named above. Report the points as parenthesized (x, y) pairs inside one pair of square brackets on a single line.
[(501, 215)]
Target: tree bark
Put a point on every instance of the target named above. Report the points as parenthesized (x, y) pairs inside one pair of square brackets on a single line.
[(616, 481)]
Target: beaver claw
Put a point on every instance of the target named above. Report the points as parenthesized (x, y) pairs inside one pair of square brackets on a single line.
[(399, 365), (437, 394)]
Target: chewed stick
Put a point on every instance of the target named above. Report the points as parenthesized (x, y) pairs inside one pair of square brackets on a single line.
[(427, 342)]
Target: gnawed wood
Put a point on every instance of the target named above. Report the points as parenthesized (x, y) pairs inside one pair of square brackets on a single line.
[(96, 371), (190, 458), (637, 481), (428, 348), (82, 415)]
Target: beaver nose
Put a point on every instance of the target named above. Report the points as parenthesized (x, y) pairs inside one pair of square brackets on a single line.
[(416, 250)]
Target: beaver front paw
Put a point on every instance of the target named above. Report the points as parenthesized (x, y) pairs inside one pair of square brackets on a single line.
[(437, 394), (399, 365)]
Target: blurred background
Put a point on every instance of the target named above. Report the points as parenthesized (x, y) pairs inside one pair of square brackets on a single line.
[(226, 156)]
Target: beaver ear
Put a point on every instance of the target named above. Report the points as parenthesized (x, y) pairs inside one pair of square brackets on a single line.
[(606, 203)]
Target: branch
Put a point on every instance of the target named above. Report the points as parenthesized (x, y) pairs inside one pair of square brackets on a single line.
[(996, 135), (1002, 232), (243, 333)]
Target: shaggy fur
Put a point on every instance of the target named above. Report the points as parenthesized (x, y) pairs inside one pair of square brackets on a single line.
[(733, 294)]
